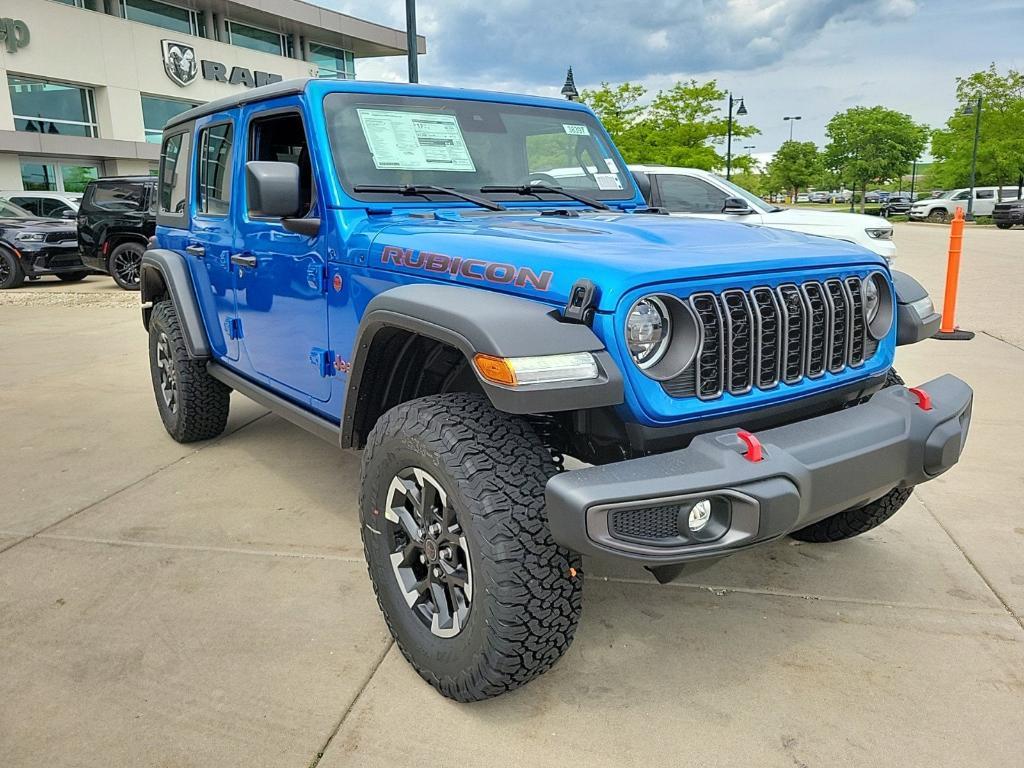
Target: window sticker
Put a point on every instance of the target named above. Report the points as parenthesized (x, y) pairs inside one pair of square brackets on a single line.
[(607, 181), (576, 130), (612, 167), (414, 141)]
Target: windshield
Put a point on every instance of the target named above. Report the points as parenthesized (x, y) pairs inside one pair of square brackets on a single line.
[(755, 202), (11, 211), (383, 140)]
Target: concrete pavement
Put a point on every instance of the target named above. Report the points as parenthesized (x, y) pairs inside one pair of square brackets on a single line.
[(172, 605)]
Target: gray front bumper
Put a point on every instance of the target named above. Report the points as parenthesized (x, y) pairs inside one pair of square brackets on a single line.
[(810, 470)]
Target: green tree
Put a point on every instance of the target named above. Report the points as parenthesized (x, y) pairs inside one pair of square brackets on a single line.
[(795, 166), (683, 125), (872, 144), (1001, 134)]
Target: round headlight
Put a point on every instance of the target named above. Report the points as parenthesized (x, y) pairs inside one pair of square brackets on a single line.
[(647, 331), (878, 304)]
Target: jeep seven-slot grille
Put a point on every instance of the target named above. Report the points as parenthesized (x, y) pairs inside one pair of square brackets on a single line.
[(766, 336)]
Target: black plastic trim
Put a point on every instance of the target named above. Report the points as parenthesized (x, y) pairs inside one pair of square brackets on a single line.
[(166, 271), (478, 321), (911, 327), (286, 409)]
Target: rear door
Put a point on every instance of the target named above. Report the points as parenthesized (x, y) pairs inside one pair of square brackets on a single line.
[(281, 275)]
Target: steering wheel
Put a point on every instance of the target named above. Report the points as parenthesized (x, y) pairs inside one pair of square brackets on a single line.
[(543, 178)]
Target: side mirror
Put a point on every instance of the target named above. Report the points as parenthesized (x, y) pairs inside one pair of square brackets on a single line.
[(736, 206), (272, 188)]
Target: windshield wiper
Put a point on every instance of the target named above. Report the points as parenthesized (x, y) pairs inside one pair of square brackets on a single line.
[(532, 189), (429, 189)]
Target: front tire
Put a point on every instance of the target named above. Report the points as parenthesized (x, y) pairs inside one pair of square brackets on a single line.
[(1004, 226), (193, 405), (125, 265), (11, 273), (938, 216), (477, 595), (853, 522)]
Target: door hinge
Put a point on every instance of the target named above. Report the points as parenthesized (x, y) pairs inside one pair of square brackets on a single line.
[(316, 277), (323, 359), (233, 327)]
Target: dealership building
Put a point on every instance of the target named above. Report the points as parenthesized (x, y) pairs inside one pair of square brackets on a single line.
[(90, 83)]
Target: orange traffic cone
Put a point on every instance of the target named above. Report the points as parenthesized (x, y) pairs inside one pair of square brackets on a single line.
[(948, 331)]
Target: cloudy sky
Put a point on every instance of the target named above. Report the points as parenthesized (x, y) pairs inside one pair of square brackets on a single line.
[(785, 57)]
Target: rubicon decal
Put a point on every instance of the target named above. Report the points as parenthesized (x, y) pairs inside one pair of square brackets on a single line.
[(473, 269)]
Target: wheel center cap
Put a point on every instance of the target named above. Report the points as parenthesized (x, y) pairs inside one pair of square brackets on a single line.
[(430, 550)]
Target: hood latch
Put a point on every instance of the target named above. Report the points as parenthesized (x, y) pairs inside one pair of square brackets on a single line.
[(580, 307)]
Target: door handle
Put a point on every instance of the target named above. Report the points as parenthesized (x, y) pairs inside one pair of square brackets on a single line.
[(243, 260), (195, 250)]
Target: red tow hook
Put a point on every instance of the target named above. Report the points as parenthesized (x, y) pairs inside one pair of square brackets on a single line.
[(924, 400), (754, 451)]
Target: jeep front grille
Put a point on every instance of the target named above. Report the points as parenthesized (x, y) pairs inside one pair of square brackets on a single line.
[(767, 336)]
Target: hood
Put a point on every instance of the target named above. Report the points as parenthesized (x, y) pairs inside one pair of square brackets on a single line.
[(837, 219), (38, 225), (541, 256)]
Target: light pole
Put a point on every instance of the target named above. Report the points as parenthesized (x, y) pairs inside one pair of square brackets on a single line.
[(790, 120), (913, 178), (569, 89), (741, 110), (410, 34), (976, 111)]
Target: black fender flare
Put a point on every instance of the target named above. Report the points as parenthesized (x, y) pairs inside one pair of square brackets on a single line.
[(165, 273), (479, 321), (911, 327)]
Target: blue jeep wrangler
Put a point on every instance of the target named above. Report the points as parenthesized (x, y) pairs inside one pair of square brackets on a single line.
[(468, 287)]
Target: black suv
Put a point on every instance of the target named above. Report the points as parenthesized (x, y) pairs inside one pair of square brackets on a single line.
[(1008, 213), (898, 204), (32, 247), (115, 222)]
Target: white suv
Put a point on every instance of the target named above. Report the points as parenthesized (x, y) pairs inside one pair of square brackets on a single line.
[(693, 192), (46, 205), (942, 208)]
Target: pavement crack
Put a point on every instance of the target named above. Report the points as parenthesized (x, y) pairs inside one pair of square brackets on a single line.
[(997, 337), (134, 483), (1018, 619), (352, 704), (200, 548)]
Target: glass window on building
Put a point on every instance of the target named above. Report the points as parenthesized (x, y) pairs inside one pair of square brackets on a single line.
[(332, 63), (75, 177), (173, 176), (213, 192), (166, 15), (256, 38), (67, 176), (38, 177), (44, 107), (157, 111), (76, 3)]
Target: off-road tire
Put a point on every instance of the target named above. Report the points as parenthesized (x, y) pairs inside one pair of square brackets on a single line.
[(202, 402), (527, 590), (73, 277), (127, 278), (853, 522), (11, 273)]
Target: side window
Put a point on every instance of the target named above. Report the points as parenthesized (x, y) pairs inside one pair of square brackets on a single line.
[(684, 194), (962, 195), (114, 197), (213, 191), (282, 138), (53, 208), (173, 178), (985, 194), (28, 203)]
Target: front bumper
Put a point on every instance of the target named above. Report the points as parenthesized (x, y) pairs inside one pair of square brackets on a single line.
[(810, 470), (50, 260)]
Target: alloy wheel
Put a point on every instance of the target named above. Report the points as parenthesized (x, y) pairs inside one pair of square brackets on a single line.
[(429, 552), (127, 265), (5, 270), (168, 373)]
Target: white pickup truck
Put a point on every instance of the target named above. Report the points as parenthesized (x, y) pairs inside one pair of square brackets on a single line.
[(693, 192), (940, 209)]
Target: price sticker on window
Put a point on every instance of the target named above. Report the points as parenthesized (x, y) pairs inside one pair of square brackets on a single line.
[(576, 130)]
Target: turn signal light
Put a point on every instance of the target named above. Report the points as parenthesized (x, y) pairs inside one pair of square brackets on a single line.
[(539, 369), (495, 369)]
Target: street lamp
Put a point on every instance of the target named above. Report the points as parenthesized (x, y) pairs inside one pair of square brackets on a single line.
[(790, 121), (569, 89), (976, 111), (741, 110), (410, 33)]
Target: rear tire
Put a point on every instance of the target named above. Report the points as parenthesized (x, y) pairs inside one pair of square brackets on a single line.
[(11, 273), (853, 522), (193, 405), (1004, 226), (125, 265), (482, 474)]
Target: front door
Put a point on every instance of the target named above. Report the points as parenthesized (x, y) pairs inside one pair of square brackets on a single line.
[(688, 195), (280, 275)]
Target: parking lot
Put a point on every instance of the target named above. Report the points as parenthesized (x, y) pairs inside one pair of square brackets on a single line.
[(173, 605)]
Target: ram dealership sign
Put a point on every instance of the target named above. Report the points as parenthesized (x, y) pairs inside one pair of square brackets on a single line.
[(182, 66)]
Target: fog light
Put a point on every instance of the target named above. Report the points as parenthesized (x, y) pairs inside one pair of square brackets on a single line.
[(700, 514)]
